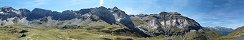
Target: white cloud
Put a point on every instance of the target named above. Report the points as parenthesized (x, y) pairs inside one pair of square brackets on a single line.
[(101, 2)]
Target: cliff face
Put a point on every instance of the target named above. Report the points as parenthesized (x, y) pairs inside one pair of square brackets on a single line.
[(168, 23), (164, 23)]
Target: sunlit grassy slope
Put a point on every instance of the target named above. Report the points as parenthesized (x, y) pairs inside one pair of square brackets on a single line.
[(69, 32), (99, 31)]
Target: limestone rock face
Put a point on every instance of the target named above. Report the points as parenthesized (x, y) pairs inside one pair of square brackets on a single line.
[(167, 23), (124, 19), (103, 14)]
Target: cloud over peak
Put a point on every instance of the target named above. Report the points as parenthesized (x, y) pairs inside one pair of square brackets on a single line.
[(101, 2)]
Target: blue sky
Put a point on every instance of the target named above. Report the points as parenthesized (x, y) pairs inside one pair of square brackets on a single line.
[(226, 13)]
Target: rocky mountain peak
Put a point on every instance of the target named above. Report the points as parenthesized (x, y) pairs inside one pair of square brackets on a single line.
[(25, 12), (38, 13), (7, 9), (170, 13), (115, 8), (40, 9), (165, 23), (102, 7), (23, 9)]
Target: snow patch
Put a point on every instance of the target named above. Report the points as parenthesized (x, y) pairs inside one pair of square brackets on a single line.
[(1, 12)]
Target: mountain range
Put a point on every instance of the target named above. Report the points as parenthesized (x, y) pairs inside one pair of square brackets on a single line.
[(24, 23)]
